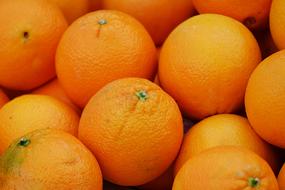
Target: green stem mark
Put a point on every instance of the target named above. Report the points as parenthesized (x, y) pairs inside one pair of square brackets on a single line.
[(253, 182), (101, 22), (24, 142), (142, 95)]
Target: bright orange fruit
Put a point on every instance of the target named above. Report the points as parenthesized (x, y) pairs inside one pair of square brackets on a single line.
[(265, 99), (30, 112), (49, 159), (111, 45), (134, 130), (225, 168), (205, 64), (30, 32)]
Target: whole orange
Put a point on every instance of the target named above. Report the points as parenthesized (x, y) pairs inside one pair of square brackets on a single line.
[(254, 14), (54, 89), (3, 98), (265, 101), (226, 168), (134, 129), (72, 9), (111, 45), (159, 17), (277, 22), (224, 129), (30, 32), (30, 112), (49, 159), (205, 64)]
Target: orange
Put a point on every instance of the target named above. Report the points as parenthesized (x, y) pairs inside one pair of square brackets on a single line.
[(55, 90), (49, 159), (30, 112), (72, 9), (224, 129), (205, 64), (254, 14), (159, 17), (265, 99), (226, 168), (3, 98), (281, 178), (163, 182), (30, 31), (134, 129), (277, 22), (111, 45)]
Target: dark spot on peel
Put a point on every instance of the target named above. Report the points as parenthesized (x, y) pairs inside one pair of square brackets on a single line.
[(26, 35), (24, 142)]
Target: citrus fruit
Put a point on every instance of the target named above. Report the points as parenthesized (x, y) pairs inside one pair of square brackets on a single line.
[(159, 17), (254, 14), (225, 168), (277, 22), (30, 32), (134, 129), (49, 159), (205, 64), (112, 45), (224, 129), (30, 112), (264, 99)]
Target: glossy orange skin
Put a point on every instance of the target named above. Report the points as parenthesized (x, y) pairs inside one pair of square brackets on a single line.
[(54, 89), (264, 99), (225, 168), (103, 53), (254, 14), (277, 23), (205, 64), (159, 17), (30, 32), (3, 98), (52, 160), (72, 9), (221, 130), (30, 112), (134, 140)]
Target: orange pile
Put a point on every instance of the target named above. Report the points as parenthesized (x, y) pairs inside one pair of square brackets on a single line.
[(149, 95)]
